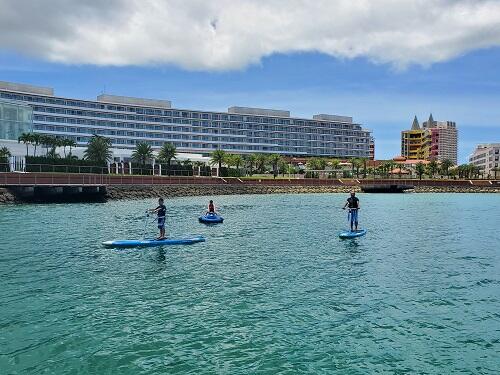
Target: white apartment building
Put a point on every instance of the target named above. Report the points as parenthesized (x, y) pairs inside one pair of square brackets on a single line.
[(487, 158)]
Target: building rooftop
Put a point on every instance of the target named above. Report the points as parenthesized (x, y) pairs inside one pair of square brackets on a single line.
[(258, 111), (115, 99), (29, 89), (338, 118)]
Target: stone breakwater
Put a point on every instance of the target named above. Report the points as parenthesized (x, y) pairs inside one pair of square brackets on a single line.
[(6, 196), (456, 189), (140, 192), (169, 191)]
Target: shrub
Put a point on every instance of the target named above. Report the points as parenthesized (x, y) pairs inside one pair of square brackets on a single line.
[(45, 164)]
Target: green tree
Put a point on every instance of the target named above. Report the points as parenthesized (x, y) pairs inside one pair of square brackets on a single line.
[(432, 168), (495, 170), (27, 139), (5, 152), (250, 161), (356, 164), (237, 161), (198, 165), (166, 154), (98, 150), (142, 153), (445, 167), (260, 162), (387, 167), (364, 162), (66, 142), (275, 160), (312, 164), (36, 140), (48, 142), (420, 169), (218, 157), (70, 143), (335, 163)]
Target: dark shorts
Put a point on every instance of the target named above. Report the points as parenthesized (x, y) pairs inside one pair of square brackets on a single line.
[(161, 222)]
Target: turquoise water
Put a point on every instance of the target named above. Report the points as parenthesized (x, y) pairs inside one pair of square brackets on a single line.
[(273, 290)]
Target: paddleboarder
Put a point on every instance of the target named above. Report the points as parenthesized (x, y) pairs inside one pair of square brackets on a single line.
[(161, 211), (353, 204), (211, 207)]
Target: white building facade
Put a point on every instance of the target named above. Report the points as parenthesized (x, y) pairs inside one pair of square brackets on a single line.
[(128, 121), (487, 158)]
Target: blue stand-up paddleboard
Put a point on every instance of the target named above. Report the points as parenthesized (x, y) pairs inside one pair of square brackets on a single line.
[(211, 218), (352, 234), (152, 242)]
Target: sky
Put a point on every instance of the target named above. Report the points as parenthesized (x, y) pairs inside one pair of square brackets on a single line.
[(381, 62)]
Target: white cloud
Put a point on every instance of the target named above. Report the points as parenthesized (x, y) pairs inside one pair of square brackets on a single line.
[(231, 34)]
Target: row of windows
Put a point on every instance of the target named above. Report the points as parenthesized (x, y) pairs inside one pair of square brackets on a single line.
[(231, 147), (165, 120), (79, 105), (347, 137), (150, 137)]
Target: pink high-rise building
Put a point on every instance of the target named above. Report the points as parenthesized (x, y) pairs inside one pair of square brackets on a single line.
[(440, 140)]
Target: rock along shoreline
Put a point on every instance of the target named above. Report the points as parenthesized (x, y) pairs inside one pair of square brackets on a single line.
[(141, 192), (170, 191)]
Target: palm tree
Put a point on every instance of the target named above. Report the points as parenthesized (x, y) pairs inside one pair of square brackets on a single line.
[(388, 166), (166, 154), (445, 166), (275, 159), (229, 160), (356, 164), (250, 161), (218, 157), (36, 140), (364, 161), (70, 143), (313, 164), (432, 168), (48, 142), (98, 150), (198, 165), (237, 161), (335, 163), (142, 153), (5, 152), (420, 169), (495, 170), (27, 139), (260, 162), (64, 142)]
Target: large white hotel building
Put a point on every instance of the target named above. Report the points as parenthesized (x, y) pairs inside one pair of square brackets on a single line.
[(128, 121)]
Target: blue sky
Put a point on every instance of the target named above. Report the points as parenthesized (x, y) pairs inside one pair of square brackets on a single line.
[(383, 98)]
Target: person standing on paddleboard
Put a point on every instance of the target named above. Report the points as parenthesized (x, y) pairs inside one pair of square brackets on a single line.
[(161, 211), (353, 203)]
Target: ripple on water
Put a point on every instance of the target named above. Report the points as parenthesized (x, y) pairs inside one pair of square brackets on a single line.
[(273, 290)]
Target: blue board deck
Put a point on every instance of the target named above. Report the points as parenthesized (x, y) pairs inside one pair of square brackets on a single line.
[(153, 242), (353, 234)]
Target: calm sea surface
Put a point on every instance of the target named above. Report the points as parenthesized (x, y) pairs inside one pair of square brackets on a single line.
[(273, 290)]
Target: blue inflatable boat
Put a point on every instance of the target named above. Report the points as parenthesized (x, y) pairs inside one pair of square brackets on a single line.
[(211, 218)]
